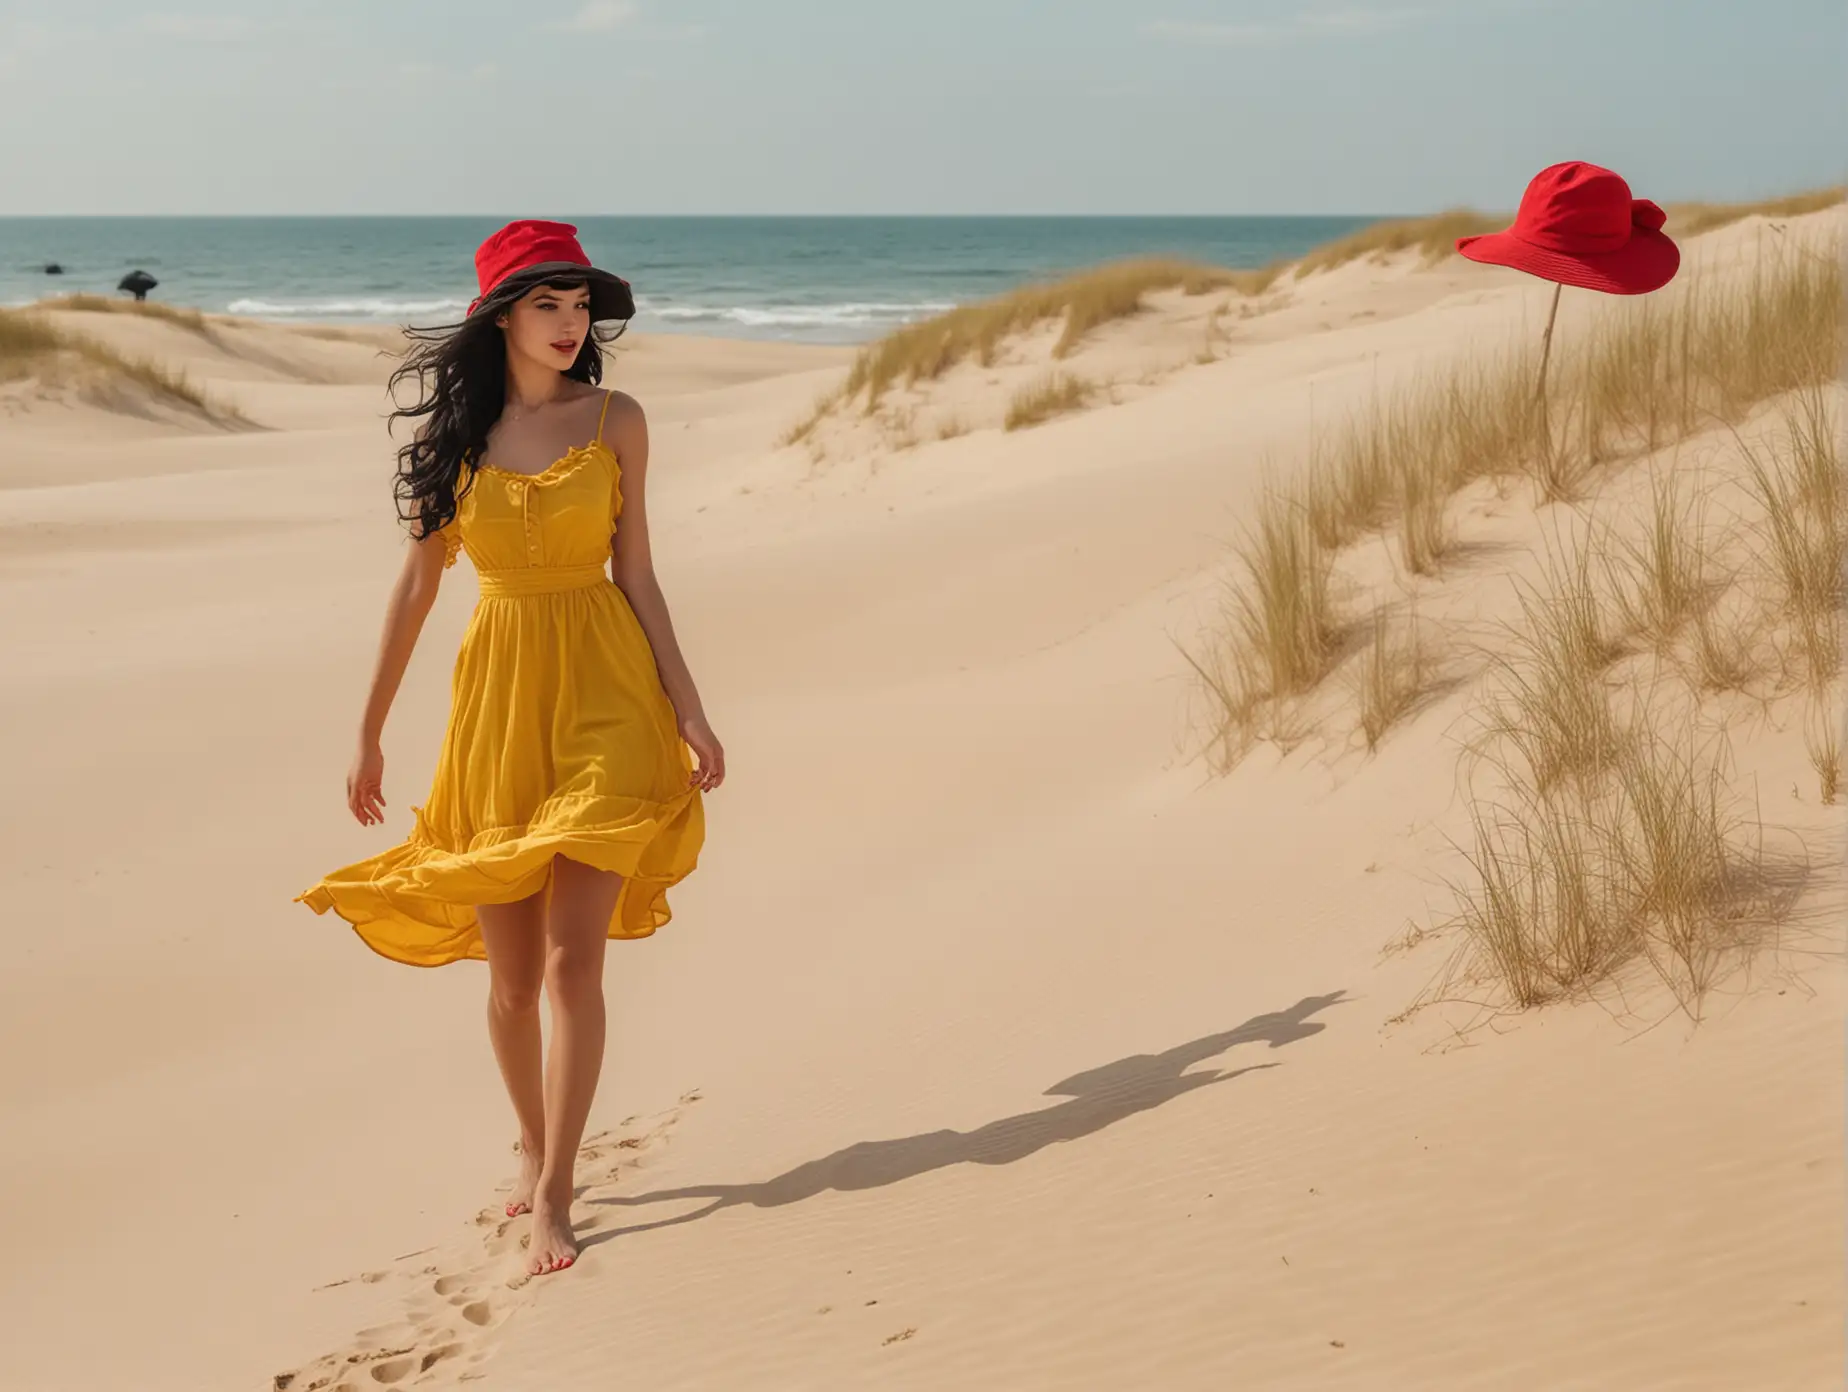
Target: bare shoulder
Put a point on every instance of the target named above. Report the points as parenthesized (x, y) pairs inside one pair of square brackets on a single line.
[(625, 429), (624, 409)]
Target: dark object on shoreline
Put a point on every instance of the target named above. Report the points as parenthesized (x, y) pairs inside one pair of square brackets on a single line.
[(53, 268), (137, 283)]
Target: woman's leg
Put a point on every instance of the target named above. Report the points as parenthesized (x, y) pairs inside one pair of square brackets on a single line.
[(577, 924), (514, 935)]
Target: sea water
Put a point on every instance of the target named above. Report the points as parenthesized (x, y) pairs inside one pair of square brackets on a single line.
[(820, 279)]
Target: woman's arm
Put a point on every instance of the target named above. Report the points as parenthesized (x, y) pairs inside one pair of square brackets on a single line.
[(411, 597), (626, 430)]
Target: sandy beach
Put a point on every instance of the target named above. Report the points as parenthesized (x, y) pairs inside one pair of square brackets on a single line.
[(1000, 1041)]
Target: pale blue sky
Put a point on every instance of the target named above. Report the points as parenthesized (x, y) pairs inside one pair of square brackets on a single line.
[(929, 106)]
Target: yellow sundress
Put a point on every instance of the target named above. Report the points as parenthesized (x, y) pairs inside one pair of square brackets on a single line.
[(561, 741)]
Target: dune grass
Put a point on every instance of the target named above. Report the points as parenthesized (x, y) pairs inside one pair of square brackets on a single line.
[(975, 332), (1655, 860), (1803, 497), (179, 315), (27, 342), (1612, 834), (1822, 742), (1666, 578), (1601, 829), (1393, 675), (1052, 395), (1691, 219), (1434, 237), (1636, 379), (1089, 299), (1552, 711), (1277, 634), (32, 347)]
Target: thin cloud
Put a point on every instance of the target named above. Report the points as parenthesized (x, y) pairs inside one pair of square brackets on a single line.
[(1312, 24), (597, 17)]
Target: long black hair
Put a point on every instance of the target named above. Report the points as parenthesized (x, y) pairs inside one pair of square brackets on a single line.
[(461, 376)]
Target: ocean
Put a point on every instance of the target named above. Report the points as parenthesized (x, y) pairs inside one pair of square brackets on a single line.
[(822, 279)]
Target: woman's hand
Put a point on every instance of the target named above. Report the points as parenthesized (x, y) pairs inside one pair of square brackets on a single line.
[(365, 780), (707, 750)]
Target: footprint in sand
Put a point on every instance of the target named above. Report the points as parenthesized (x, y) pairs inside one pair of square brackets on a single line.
[(400, 1353)]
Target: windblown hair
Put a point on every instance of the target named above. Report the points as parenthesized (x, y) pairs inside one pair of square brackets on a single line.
[(461, 376)]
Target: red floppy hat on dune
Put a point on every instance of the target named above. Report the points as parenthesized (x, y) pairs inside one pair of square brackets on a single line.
[(531, 252), (1579, 225)]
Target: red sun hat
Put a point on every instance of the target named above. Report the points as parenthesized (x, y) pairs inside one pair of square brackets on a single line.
[(1579, 225), (532, 251)]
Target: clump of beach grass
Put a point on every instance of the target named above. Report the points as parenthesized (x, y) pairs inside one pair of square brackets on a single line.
[(1656, 861), (1691, 219), (1278, 633), (1433, 237), (807, 426), (1803, 500), (1391, 677), (1665, 581), (27, 343), (1552, 709), (1822, 741), (180, 315), (1050, 396), (31, 346), (924, 351)]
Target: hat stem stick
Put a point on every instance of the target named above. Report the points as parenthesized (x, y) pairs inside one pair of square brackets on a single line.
[(1546, 352)]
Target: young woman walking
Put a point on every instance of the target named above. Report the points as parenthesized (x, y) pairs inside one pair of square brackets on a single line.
[(567, 795)]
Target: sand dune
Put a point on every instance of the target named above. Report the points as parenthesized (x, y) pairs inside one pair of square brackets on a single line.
[(994, 1045)]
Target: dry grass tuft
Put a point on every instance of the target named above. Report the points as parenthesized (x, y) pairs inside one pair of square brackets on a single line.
[(925, 350), (32, 347), (1051, 396), (1666, 581), (807, 426), (1691, 219), (1801, 491), (1425, 533), (27, 343), (1434, 236), (1723, 652), (1393, 674), (1652, 860), (184, 317), (1277, 635), (1822, 742), (1553, 711)]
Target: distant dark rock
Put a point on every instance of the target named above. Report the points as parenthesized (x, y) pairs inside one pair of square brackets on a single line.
[(53, 268), (137, 283)]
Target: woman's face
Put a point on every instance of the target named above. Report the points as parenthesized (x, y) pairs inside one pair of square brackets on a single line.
[(548, 326)]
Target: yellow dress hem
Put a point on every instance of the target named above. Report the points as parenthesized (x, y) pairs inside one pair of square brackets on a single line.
[(415, 903)]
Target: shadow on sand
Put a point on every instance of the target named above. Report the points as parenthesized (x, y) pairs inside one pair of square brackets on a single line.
[(1098, 1097)]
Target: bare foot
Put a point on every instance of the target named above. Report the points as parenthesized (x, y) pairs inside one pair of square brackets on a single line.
[(524, 1187), (552, 1246)]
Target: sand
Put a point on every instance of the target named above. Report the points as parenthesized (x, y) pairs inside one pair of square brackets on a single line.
[(995, 1043)]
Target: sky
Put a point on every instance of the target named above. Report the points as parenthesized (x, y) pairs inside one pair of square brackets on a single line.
[(919, 106)]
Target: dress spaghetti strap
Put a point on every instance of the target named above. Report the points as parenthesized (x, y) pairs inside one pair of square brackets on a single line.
[(602, 416)]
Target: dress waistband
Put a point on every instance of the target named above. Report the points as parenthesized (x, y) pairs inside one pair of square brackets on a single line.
[(535, 580)]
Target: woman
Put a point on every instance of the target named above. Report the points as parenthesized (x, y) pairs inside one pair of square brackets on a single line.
[(565, 802)]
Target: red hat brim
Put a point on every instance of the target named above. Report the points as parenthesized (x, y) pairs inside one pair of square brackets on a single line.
[(610, 295), (1646, 262)]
